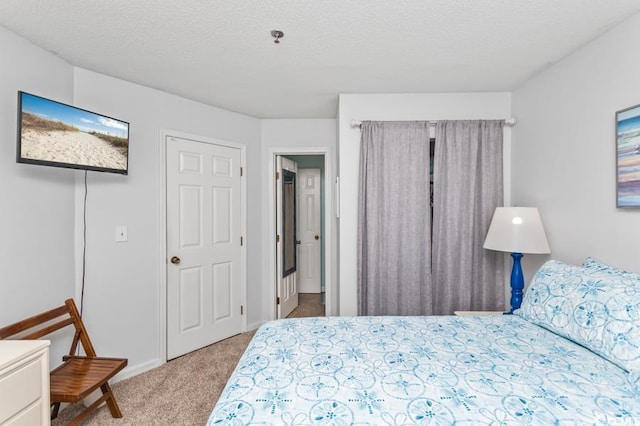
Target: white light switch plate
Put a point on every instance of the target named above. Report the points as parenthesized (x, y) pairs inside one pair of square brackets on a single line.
[(121, 234)]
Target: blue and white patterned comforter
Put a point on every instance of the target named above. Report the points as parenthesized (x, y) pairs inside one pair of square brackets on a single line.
[(422, 370)]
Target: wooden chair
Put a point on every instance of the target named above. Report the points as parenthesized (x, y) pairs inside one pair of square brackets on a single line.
[(78, 376)]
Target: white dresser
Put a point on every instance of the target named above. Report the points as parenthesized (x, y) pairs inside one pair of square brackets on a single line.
[(24, 382)]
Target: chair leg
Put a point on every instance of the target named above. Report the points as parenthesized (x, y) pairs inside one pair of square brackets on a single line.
[(90, 409), (111, 401), (56, 408), (108, 397)]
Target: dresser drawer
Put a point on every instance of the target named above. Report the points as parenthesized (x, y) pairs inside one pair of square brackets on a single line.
[(28, 417), (20, 387)]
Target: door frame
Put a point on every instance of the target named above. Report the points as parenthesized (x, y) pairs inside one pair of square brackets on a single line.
[(270, 307), (162, 231)]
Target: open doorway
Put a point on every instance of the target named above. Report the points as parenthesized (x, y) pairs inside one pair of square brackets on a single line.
[(310, 225), (315, 297)]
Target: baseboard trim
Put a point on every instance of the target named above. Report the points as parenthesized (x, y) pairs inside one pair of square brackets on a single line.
[(255, 325), (136, 369)]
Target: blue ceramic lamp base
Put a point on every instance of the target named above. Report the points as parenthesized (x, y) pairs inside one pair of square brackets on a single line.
[(517, 283)]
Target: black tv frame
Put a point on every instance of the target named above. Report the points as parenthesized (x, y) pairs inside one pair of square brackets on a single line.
[(78, 166)]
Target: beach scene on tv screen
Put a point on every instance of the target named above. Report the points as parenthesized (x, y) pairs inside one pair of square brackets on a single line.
[(59, 133)]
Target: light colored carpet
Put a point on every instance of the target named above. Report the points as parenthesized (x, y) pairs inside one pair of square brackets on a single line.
[(181, 392), (184, 390)]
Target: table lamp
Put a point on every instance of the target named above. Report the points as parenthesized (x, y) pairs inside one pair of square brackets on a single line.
[(516, 230)]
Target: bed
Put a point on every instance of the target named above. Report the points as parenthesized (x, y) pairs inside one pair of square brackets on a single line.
[(534, 367)]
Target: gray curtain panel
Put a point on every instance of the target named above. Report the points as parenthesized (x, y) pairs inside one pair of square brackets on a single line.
[(467, 188), (394, 241)]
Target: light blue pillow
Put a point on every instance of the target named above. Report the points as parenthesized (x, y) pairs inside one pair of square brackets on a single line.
[(596, 265), (596, 309)]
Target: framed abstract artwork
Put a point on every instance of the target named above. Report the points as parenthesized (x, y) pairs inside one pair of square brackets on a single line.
[(628, 157)]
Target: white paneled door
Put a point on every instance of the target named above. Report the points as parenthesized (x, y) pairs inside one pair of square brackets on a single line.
[(309, 231), (203, 244), (286, 239)]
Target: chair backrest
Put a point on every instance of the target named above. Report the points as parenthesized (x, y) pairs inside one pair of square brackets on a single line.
[(47, 322)]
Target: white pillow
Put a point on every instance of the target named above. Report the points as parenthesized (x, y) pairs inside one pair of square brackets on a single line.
[(596, 309)]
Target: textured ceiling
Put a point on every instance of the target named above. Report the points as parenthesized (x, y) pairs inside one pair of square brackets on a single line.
[(220, 52)]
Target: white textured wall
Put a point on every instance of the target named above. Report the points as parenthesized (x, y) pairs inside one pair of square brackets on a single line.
[(36, 203), (564, 153), (122, 295), (435, 106)]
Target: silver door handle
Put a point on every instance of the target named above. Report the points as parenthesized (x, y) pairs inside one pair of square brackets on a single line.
[(175, 260)]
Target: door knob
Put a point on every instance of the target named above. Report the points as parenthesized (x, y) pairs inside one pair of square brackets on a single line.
[(175, 260), (317, 237)]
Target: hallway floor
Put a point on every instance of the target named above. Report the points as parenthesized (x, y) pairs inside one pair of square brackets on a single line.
[(309, 305)]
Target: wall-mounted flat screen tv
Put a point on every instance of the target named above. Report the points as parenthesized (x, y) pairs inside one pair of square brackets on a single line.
[(51, 133)]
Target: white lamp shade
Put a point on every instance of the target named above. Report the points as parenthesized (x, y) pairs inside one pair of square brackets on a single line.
[(517, 230)]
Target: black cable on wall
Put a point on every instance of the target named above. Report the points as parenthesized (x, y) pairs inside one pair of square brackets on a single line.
[(84, 244)]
